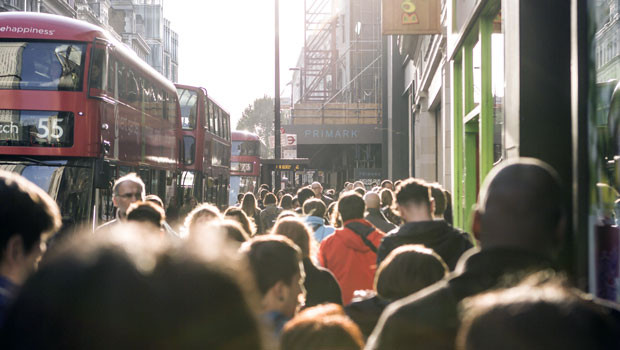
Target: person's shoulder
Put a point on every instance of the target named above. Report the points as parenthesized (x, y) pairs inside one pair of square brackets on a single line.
[(107, 225)]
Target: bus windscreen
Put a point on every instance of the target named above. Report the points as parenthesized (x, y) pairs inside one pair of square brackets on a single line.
[(53, 66)]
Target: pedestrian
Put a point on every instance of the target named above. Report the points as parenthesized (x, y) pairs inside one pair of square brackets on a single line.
[(269, 215), (439, 197), (148, 213), (323, 327), (314, 216), (415, 205), (406, 270), (128, 290), (350, 253), (540, 313), (374, 214), (387, 184), (387, 200), (238, 215), (519, 221), (126, 190), (29, 217), (201, 216), (303, 195), (286, 202), (277, 266), (250, 208), (320, 285), (317, 188)]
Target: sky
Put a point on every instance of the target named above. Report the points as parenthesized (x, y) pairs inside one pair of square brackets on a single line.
[(227, 46)]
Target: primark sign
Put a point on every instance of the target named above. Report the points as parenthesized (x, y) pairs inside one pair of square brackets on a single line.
[(329, 134)]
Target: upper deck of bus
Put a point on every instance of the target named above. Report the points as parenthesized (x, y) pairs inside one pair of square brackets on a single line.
[(242, 135), (41, 26)]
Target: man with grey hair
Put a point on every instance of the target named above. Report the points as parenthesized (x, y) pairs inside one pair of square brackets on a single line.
[(126, 190), (374, 214), (519, 221), (317, 188)]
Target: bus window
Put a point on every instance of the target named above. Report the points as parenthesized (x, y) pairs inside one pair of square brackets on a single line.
[(111, 88), (211, 117), (97, 68), (42, 65), (188, 100), (216, 121), (190, 149)]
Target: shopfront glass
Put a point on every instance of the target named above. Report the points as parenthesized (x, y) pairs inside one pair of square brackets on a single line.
[(604, 136)]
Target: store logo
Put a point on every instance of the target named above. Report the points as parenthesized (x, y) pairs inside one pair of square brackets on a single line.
[(409, 15)]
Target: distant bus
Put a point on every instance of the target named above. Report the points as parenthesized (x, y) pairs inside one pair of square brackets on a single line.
[(244, 164), (206, 139), (79, 109)]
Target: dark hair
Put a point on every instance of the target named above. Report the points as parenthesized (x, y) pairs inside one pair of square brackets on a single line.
[(269, 198), (262, 192), (545, 316), (360, 191), (155, 199), (26, 210), (387, 197), (234, 231), (295, 230), (323, 327), (249, 206), (238, 215), (386, 182), (351, 206), (408, 269), (314, 207), (286, 202), (272, 259), (146, 212), (414, 191), (439, 197), (145, 308), (303, 195)]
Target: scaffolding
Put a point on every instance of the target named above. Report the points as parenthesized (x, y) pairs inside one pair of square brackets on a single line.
[(342, 59)]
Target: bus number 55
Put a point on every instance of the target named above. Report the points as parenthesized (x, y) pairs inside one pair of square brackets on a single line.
[(57, 131)]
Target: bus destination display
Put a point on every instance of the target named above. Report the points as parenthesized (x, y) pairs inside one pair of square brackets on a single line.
[(36, 128)]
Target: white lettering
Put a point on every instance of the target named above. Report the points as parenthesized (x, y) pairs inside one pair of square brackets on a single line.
[(329, 133), (28, 30), (338, 134), (307, 133), (354, 133), (315, 133), (345, 133), (10, 129)]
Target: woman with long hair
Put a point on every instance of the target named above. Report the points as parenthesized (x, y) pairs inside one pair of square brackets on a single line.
[(250, 207)]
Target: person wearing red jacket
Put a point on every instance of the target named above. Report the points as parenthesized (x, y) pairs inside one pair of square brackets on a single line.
[(351, 252)]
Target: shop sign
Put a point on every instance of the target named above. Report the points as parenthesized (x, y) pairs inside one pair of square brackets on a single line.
[(411, 17), (330, 134)]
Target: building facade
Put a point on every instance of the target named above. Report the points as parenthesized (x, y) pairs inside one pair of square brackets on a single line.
[(336, 93), (138, 23)]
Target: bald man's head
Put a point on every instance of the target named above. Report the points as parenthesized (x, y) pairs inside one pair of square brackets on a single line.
[(520, 206), (372, 200)]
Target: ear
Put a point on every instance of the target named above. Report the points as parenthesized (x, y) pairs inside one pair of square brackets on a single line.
[(476, 224), (114, 201), (432, 207), (14, 251)]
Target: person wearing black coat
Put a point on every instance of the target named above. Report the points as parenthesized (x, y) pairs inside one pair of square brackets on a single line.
[(519, 222), (415, 205)]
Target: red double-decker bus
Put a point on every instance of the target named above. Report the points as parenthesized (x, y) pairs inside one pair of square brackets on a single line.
[(78, 109), (206, 138), (244, 164)]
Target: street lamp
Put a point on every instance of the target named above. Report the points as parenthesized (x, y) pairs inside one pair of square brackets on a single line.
[(276, 119)]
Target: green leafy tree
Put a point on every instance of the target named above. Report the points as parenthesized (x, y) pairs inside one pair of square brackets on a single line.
[(258, 118)]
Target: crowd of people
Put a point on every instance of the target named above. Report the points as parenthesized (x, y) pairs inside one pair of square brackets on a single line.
[(362, 268)]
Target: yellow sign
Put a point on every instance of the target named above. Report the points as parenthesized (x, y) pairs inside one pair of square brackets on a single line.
[(411, 17), (287, 167)]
